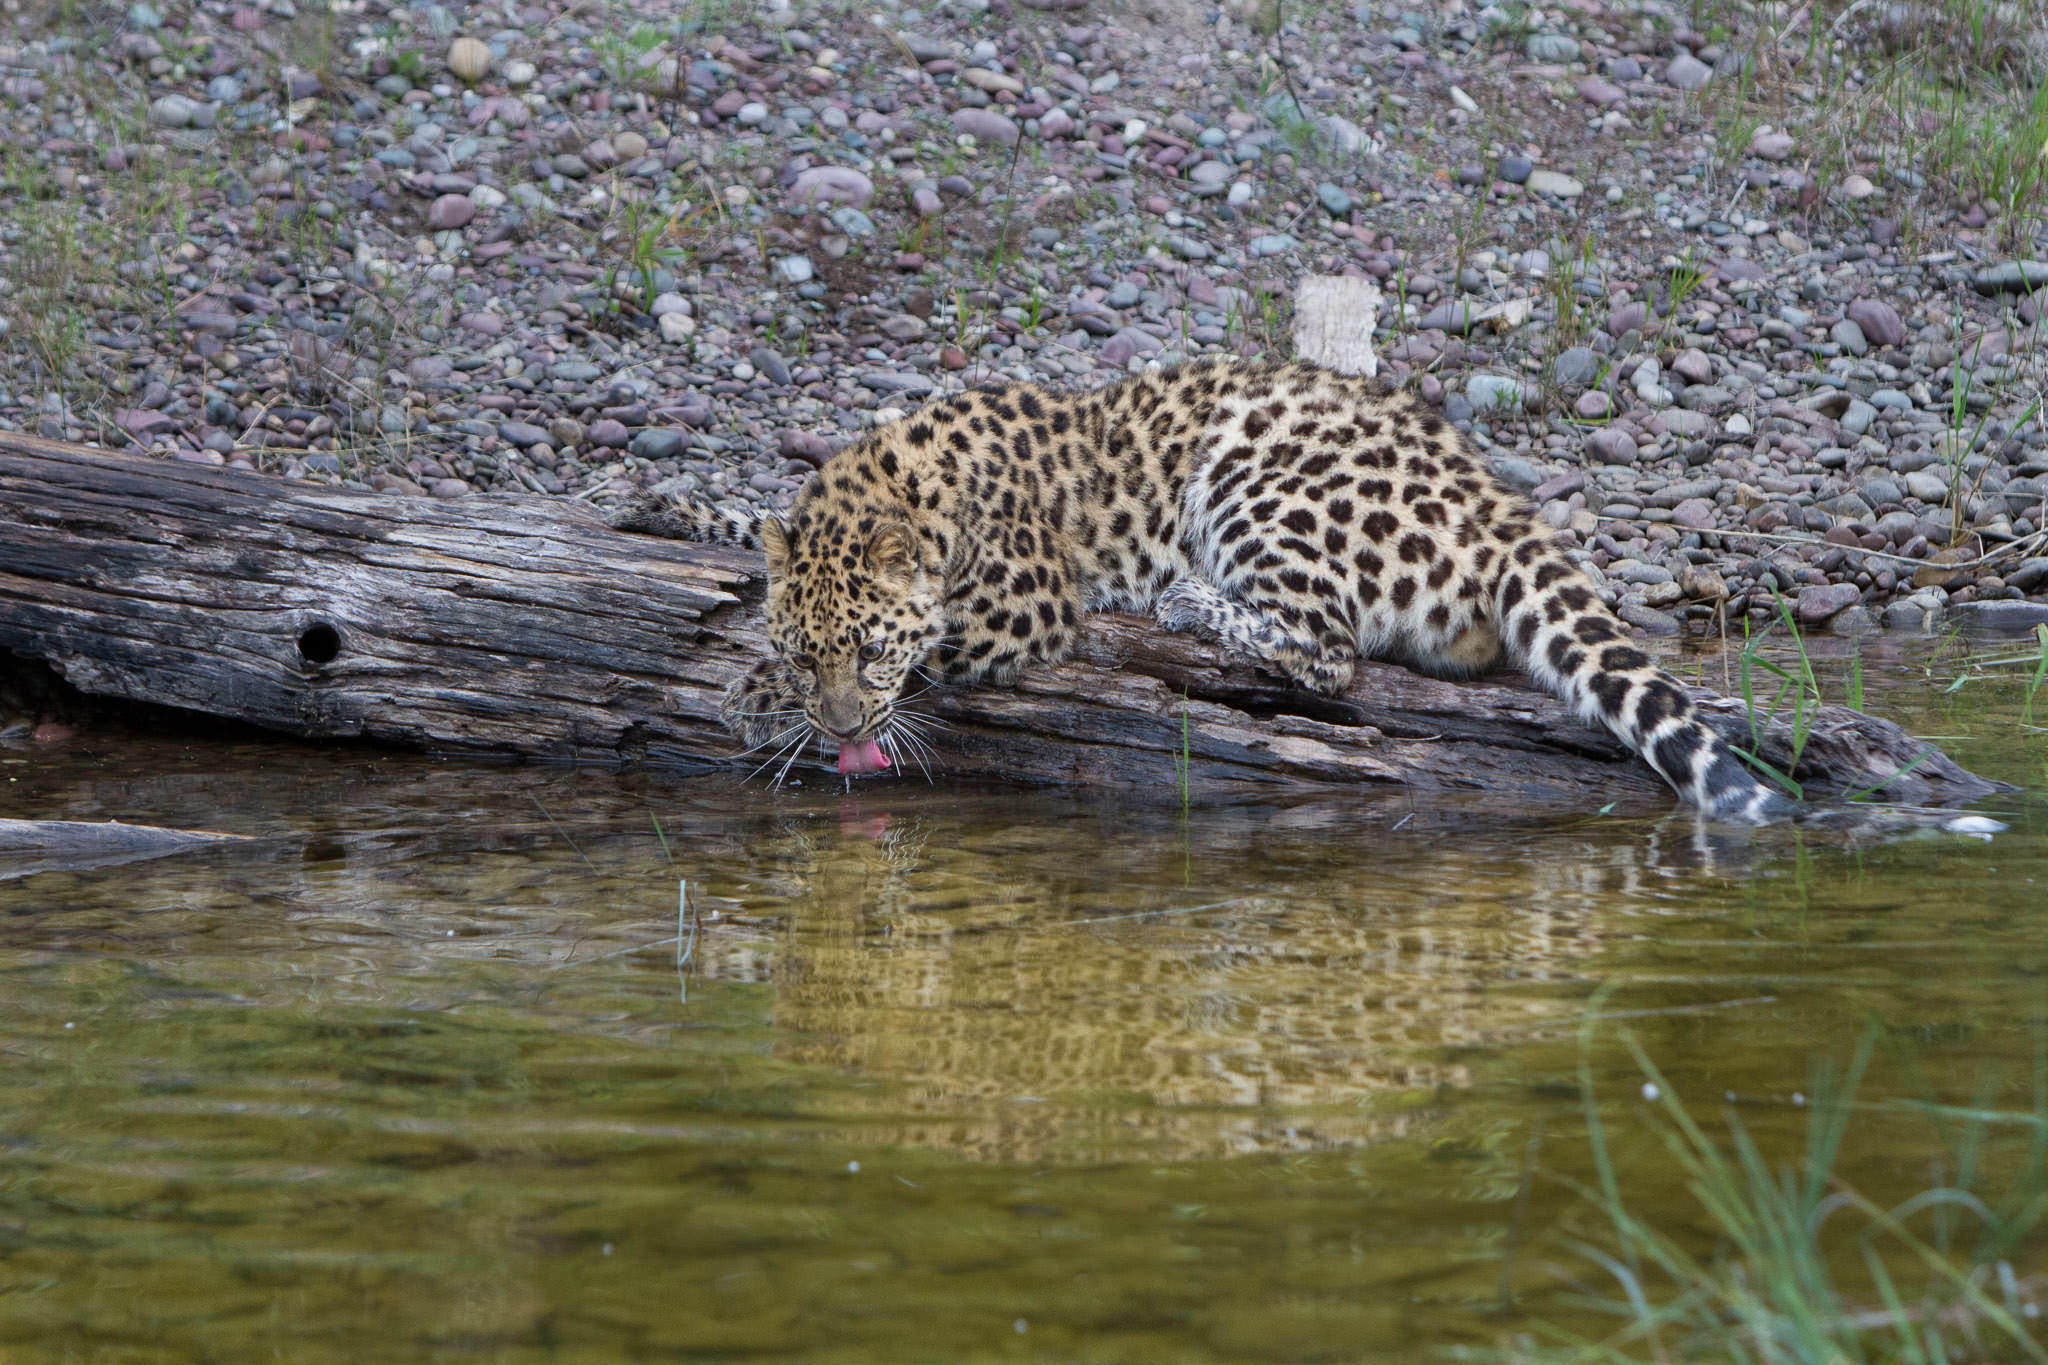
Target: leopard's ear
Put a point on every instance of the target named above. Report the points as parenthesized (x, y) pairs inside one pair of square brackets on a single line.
[(892, 551), (775, 543)]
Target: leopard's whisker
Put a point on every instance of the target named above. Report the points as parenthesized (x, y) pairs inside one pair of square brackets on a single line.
[(783, 771), (795, 746), (921, 751), (923, 721), (899, 743), (774, 739), (917, 736), (913, 731), (768, 763)]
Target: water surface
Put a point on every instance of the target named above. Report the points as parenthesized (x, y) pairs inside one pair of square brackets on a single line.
[(419, 1071)]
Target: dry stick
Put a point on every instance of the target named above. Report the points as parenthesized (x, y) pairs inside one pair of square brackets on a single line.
[(1843, 17), (1170, 910), (565, 834), (686, 948), (2035, 540), (1280, 47)]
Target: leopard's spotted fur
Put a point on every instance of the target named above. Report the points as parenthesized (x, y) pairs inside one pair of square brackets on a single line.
[(1306, 519)]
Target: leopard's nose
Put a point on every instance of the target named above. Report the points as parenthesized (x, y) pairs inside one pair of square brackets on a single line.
[(839, 717)]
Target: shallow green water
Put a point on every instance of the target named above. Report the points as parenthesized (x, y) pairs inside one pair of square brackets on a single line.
[(414, 1074)]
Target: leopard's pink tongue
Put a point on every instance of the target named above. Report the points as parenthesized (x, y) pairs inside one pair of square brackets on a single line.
[(859, 757)]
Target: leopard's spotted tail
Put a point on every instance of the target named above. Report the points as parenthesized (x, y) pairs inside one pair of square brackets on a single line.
[(685, 519), (1554, 625)]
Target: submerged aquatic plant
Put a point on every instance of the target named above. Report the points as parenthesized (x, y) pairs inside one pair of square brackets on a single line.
[(1806, 1270)]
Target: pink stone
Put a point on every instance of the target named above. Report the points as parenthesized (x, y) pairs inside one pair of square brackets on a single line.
[(1055, 123), (987, 125), (1771, 146), (1694, 514), (1879, 321), (824, 186), (450, 211)]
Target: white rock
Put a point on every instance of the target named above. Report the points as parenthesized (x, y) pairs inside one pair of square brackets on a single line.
[(1488, 391), (1770, 145), (982, 78), (1348, 137), (677, 327), (1647, 385), (1554, 182), (469, 59)]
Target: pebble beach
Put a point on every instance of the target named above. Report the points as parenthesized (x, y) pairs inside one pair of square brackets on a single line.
[(1749, 318)]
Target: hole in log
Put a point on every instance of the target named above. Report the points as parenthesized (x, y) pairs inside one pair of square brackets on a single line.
[(318, 644)]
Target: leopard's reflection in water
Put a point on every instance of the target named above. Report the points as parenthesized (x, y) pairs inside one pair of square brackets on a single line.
[(1096, 986)]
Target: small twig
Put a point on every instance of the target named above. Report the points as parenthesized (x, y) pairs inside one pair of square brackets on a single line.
[(564, 833), (1142, 914), (1843, 17), (622, 952), (2023, 543), (686, 947)]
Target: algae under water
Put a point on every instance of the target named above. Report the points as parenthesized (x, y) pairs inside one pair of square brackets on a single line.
[(422, 1071)]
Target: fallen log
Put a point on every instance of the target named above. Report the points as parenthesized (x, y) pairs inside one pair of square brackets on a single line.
[(523, 626), (28, 847), (111, 836)]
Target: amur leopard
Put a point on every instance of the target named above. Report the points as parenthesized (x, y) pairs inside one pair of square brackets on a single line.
[(1303, 518)]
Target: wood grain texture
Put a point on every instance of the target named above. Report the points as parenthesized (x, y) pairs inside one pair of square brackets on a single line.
[(1334, 319), (522, 626)]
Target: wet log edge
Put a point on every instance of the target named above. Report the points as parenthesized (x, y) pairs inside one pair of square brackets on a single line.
[(523, 626)]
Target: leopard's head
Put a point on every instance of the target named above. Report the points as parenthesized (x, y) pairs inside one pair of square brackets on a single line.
[(851, 612)]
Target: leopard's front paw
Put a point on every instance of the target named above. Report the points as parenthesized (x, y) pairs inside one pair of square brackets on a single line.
[(1187, 605), (762, 704)]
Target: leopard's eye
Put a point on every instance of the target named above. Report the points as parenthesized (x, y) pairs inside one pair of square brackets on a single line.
[(804, 660), (869, 653)]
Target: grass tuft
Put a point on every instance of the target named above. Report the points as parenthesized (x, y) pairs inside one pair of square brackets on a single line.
[(1806, 1270)]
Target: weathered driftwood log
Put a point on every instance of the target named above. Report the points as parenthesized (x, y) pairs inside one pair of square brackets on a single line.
[(524, 626), (31, 846), (91, 836)]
